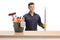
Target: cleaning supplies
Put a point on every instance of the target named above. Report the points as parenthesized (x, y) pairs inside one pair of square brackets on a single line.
[(18, 22)]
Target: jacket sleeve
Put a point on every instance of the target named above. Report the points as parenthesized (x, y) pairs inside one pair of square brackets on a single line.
[(39, 22)]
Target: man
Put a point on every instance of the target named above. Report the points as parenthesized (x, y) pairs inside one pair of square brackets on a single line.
[(32, 19)]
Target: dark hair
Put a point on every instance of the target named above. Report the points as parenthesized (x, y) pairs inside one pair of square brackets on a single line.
[(31, 3)]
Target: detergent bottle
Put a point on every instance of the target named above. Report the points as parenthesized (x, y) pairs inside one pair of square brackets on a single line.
[(23, 24)]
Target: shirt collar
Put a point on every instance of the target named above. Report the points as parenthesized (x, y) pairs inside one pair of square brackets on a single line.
[(30, 14)]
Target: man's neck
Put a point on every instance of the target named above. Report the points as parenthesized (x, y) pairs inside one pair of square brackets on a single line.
[(31, 13)]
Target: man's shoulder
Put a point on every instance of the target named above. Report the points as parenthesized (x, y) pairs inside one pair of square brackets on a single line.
[(37, 14)]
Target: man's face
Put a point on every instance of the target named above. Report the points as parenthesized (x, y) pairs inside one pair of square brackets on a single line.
[(31, 8)]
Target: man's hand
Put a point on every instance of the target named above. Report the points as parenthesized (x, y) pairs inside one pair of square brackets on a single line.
[(44, 25)]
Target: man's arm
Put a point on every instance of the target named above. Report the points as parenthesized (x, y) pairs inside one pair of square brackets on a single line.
[(39, 22)]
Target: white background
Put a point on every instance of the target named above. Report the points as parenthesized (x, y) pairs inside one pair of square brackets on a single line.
[(53, 15), (21, 8)]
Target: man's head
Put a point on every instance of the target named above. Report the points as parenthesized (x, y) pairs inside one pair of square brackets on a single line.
[(31, 6)]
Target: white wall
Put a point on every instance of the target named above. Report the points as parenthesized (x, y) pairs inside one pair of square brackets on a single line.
[(53, 15)]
